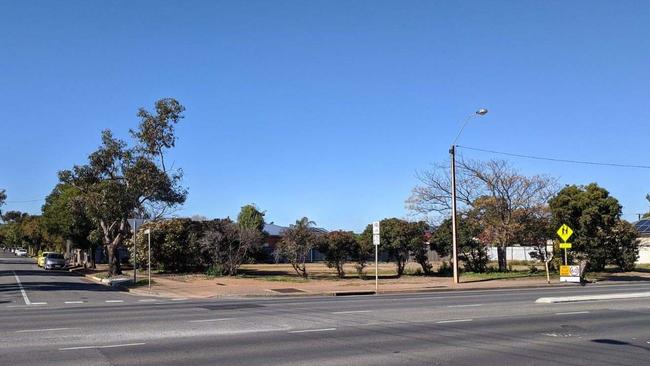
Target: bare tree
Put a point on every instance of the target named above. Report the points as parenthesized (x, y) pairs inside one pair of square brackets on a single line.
[(296, 244), (499, 194)]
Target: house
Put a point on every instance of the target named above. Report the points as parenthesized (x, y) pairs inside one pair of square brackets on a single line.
[(643, 227)]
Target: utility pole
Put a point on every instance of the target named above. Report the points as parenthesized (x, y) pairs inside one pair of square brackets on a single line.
[(454, 224), (454, 244)]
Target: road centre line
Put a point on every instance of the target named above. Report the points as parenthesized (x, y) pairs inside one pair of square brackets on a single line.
[(95, 347), (73, 302), (312, 330), (22, 290), (114, 300), (43, 330), (352, 312), (464, 306), (573, 313), (454, 321), (180, 299), (39, 303), (147, 300), (209, 320)]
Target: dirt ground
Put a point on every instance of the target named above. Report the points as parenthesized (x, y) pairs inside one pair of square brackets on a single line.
[(281, 280)]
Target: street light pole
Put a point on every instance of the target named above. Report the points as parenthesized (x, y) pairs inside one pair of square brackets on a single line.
[(454, 224), (148, 232)]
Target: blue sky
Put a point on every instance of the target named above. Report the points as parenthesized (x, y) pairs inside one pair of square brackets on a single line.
[(327, 109)]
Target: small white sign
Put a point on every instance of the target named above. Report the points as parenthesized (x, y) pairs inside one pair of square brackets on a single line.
[(375, 228), (375, 239)]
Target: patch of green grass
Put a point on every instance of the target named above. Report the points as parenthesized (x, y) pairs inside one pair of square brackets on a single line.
[(142, 282)]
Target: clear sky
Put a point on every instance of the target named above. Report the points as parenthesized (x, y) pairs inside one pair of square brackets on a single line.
[(327, 109)]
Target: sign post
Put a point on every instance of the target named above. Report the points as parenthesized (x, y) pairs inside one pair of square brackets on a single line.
[(376, 240), (567, 273)]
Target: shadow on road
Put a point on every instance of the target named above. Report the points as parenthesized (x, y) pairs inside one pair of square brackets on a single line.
[(614, 342)]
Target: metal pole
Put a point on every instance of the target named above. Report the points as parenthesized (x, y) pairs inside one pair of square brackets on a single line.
[(376, 270), (149, 270), (566, 261), (454, 228), (135, 256)]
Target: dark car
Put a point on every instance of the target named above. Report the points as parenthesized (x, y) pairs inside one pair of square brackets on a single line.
[(54, 261)]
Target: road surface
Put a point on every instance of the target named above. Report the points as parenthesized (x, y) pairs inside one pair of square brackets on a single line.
[(57, 318)]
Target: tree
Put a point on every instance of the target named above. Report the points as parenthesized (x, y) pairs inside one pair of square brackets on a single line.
[(499, 194), (3, 198), (120, 181), (64, 216), (362, 251), (250, 217), (174, 245), (399, 238), (296, 244), (600, 236), (228, 244), (338, 246), (471, 251)]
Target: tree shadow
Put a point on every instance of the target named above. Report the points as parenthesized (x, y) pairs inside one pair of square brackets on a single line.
[(614, 342)]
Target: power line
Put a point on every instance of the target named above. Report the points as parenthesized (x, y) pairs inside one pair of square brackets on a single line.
[(557, 160), (26, 201)]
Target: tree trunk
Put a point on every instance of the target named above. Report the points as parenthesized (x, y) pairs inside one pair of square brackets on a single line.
[(114, 266), (501, 256)]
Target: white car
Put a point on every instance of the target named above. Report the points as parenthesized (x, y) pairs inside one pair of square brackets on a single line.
[(21, 252)]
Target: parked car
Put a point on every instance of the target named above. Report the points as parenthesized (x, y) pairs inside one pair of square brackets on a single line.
[(21, 252), (41, 259), (54, 261)]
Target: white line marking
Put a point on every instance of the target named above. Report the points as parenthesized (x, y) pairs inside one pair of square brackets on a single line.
[(22, 290), (74, 302), (208, 320), (180, 299), (573, 313), (147, 300), (42, 330), (352, 312), (313, 330), (464, 306), (114, 300), (111, 346), (454, 321), (39, 303)]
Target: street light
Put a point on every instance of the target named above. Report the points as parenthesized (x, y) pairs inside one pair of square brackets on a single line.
[(454, 228)]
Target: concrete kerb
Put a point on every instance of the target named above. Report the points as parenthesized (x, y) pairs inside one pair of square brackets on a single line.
[(564, 299)]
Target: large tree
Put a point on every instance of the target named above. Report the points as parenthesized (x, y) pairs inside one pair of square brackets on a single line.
[(600, 236), (120, 181), (3, 198), (502, 197), (471, 251)]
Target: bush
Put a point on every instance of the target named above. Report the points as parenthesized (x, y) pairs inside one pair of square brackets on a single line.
[(532, 269), (445, 269)]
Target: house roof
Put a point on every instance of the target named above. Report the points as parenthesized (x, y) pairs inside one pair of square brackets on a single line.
[(643, 227), (277, 230)]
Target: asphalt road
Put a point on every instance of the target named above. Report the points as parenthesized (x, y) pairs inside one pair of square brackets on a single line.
[(62, 319)]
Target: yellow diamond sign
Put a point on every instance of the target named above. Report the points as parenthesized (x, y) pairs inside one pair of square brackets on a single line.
[(564, 232)]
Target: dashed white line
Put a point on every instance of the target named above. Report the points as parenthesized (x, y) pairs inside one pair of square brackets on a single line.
[(22, 290), (43, 330), (114, 301), (180, 299), (147, 300), (465, 306), (312, 330), (454, 321), (352, 312), (209, 320), (73, 302), (573, 313), (39, 303), (110, 346)]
